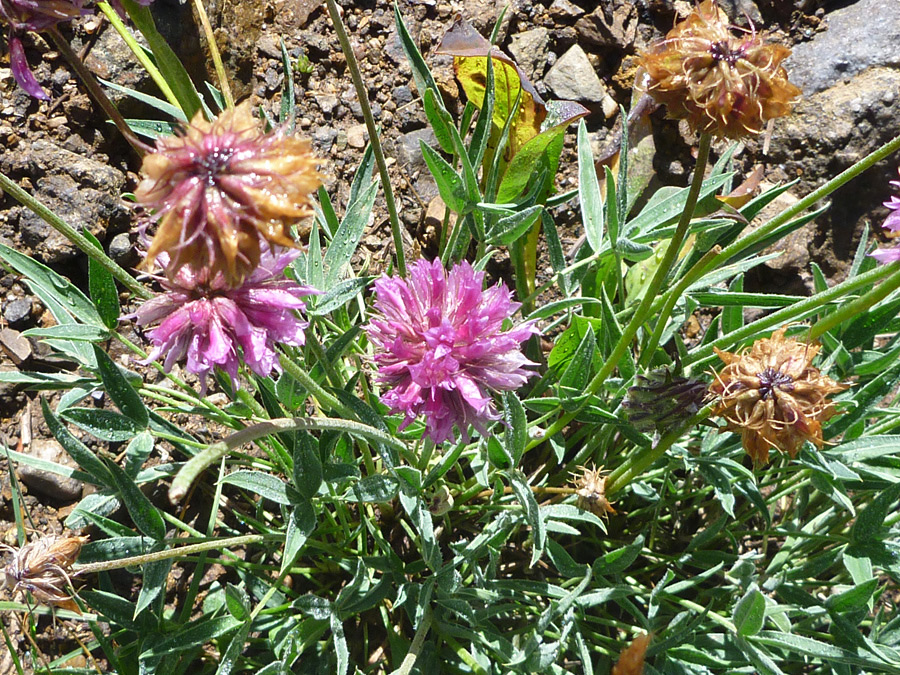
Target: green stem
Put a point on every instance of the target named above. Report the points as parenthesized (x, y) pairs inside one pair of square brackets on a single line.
[(643, 311), (139, 53), (416, 647), (787, 314), (362, 95), (318, 392), (96, 91), (214, 452), (216, 56), (638, 463), (74, 236), (670, 300), (177, 552), (788, 214), (862, 303)]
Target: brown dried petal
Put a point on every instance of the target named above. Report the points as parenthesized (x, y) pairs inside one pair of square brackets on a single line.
[(721, 84), (773, 396)]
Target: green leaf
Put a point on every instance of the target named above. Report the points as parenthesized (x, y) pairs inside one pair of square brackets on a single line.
[(450, 184), (438, 122), (237, 601), (616, 562), (547, 144), (70, 331), (147, 517), (589, 191), (153, 584), (137, 453), (340, 645), (377, 488), (516, 435), (532, 512), (346, 239), (264, 484), (513, 227), (339, 294), (120, 390), (169, 66), (869, 525), (307, 466), (102, 287), (578, 372), (286, 112), (301, 524), (854, 598), (194, 635), (106, 425), (235, 648), (66, 303), (87, 460), (421, 74), (750, 613)]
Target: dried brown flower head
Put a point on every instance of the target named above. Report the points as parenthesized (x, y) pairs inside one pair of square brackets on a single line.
[(773, 396), (42, 567), (721, 84), (590, 487), (224, 188), (631, 660)]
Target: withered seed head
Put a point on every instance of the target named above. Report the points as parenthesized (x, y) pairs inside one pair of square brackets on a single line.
[(42, 568), (721, 84), (590, 487), (773, 396), (223, 189)]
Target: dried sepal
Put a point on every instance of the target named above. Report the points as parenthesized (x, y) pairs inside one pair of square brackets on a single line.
[(722, 84), (631, 660), (223, 189), (42, 568), (590, 486), (773, 396)]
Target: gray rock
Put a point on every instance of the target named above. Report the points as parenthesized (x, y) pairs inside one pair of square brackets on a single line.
[(409, 153), (741, 10), (572, 77), (17, 311), (829, 131), (327, 102), (121, 249), (15, 346), (531, 50), (563, 9), (609, 27), (402, 95), (862, 35), (47, 483)]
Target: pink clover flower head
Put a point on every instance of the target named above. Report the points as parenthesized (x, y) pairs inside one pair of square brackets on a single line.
[(440, 347), (33, 15), (211, 324), (891, 223)]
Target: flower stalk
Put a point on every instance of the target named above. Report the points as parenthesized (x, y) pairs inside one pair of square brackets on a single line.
[(177, 552), (642, 313), (73, 235), (858, 306), (352, 65), (96, 91), (214, 452)]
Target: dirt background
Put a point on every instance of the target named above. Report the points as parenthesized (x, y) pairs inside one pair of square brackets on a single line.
[(63, 151)]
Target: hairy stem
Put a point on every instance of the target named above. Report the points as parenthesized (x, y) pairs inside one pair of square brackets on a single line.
[(362, 95)]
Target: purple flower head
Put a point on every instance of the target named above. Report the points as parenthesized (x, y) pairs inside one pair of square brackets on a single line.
[(440, 346), (33, 15), (892, 223), (206, 321)]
